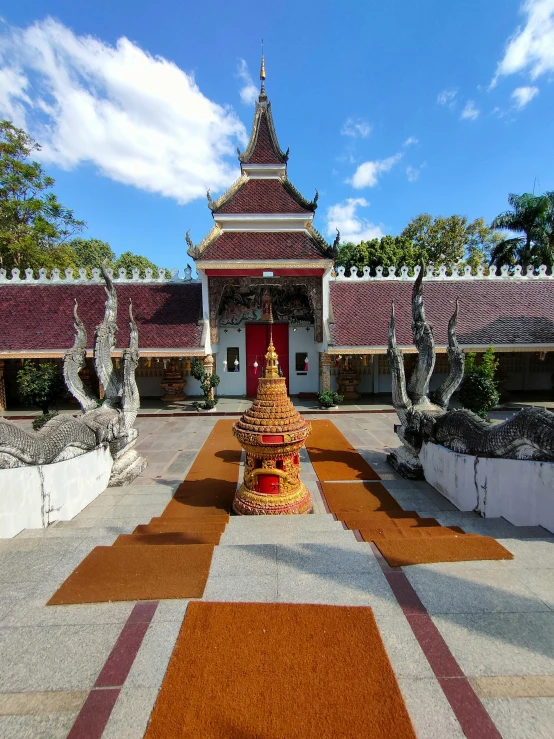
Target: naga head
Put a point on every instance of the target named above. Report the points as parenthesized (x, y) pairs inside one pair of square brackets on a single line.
[(420, 426)]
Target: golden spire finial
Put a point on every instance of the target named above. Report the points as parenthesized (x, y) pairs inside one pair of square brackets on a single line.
[(263, 96), (262, 68)]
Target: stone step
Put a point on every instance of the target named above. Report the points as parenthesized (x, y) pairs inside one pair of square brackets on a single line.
[(340, 538), (266, 522)]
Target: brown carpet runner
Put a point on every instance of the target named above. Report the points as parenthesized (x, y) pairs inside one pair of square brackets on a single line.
[(279, 671), (402, 536), (170, 557), (333, 457)]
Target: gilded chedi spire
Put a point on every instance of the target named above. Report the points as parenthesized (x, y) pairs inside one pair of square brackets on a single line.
[(272, 433)]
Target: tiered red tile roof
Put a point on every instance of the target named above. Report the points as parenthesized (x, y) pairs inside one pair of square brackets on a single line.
[(262, 196), (266, 245), (36, 317), (491, 311), (266, 149)]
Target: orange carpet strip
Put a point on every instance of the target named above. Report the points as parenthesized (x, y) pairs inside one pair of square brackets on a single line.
[(170, 557), (333, 457), (402, 536), (279, 671)]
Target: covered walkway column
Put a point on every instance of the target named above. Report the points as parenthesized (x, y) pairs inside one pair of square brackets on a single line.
[(325, 364), (2, 387), (209, 367)]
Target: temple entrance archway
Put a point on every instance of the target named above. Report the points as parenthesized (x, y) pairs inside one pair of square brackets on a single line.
[(257, 340)]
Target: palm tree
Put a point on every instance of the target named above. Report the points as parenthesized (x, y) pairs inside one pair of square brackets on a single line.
[(528, 217), (547, 240)]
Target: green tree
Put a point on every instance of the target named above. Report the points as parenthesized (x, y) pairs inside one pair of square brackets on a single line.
[(451, 241), (388, 251), (92, 252), (40, 385), (34, 225), (530, 216), (130, 261), (478, 390)]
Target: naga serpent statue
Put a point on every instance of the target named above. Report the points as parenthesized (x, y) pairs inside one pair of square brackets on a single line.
[(110, 422), (424, 416)]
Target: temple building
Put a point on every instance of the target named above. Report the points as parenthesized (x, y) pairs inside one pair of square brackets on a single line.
[(264, 253)]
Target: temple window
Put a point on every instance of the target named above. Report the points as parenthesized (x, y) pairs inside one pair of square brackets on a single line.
[(258, 464), (279, 464), (233, 360), (301, 363)]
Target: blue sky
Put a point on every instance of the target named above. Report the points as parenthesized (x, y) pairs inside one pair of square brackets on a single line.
[(389, 109)]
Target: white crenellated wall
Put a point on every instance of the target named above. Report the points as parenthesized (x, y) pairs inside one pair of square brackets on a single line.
[(441, 273), (80, 277)]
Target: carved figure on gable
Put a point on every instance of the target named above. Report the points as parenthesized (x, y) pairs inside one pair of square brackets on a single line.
[(111, 422), (425, 417)]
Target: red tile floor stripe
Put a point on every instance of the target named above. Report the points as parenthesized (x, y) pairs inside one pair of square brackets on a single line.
[(468, 709), (96, 710)]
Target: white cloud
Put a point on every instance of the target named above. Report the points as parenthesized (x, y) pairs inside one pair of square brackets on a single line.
[(447, 97), (368, 173), (531, 48), (412, 173), (13, 97), (249, 92), (356, 128), (352, 228), (138, 118), (470, 112), (523, 95), (411, 141)]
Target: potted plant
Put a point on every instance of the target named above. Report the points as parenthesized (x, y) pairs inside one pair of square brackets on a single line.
[(329, 399), (207, 383)]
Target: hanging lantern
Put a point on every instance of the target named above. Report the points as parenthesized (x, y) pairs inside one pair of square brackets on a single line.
[(306, 363), (225, 365), (236, 363), (255, 367)]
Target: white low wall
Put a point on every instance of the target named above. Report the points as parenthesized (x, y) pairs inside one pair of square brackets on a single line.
[(34, 497), (520, 491)]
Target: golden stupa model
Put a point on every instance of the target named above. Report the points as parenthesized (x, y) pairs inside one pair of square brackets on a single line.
[(272, 432)]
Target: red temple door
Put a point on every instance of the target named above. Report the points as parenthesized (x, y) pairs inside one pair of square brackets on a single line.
[(257, 339)]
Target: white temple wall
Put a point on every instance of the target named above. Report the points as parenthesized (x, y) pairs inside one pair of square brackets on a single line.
[(34, 497), (232, 383), (303, 342), (521, 491)]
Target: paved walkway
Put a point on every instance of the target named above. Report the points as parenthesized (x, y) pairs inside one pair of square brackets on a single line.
[(496, 618), (227, 405)]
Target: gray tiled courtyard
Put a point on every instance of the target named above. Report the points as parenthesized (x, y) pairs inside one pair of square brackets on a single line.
[(497, 617)]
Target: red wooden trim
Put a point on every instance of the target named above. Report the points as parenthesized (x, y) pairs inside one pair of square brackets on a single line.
[(258, 272)]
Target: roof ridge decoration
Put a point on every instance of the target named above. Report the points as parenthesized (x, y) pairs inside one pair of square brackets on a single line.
[(441, 273), (237, 185), (196, 251), (298, 197), (320, 242)]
